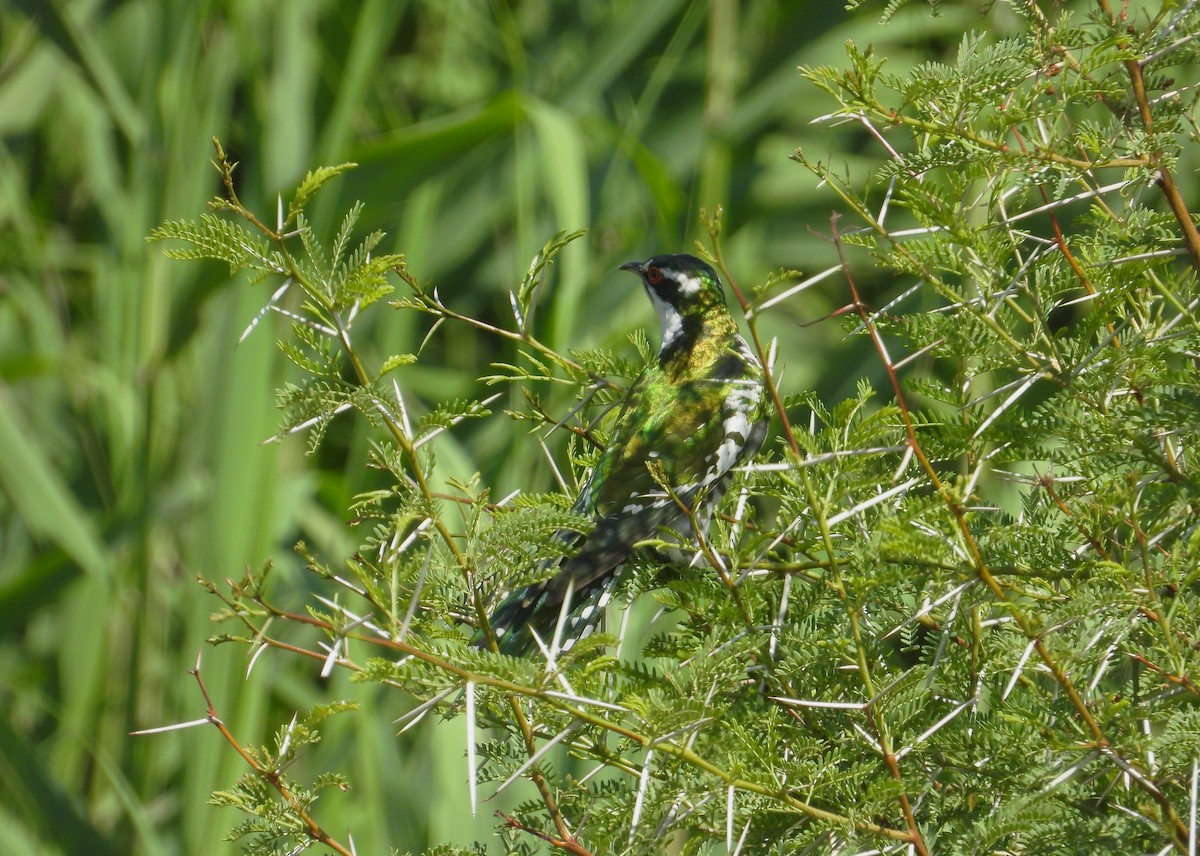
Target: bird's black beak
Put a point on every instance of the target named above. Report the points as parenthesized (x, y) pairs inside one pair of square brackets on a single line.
[(635, 267)]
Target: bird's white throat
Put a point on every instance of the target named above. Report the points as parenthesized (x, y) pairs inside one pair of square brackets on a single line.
[(668, 318)]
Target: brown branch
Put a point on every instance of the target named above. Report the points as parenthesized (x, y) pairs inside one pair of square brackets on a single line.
[(1179, 680), (1137, 79), (569, 841), (1061, 242), (271, 777), (889, 756), (1046, 483), (570, 845)]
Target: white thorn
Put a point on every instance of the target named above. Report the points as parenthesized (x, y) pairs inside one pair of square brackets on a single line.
[(1192, 813), (1012, 682), (178, 726), (471, 784), (533, 759), (643, 782), (729, 819)]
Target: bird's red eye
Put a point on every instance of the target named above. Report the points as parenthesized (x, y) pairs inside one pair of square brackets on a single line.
[(654, 274)]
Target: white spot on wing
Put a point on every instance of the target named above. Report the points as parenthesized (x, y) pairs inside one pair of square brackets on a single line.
[(743, 351), (727, 454)]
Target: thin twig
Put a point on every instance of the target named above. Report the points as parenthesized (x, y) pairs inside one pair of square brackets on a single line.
[(1191, 236), (271, 777)]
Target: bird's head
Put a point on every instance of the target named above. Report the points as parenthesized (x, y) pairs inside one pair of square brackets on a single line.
[(684, 291)]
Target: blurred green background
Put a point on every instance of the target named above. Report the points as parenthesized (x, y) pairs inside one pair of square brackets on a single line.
[(131, 421)]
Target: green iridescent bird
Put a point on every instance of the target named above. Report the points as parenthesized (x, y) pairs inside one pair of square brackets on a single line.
[(697, 411)]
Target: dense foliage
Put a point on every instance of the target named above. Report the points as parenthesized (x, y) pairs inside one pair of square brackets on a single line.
[(955, 614), (954, 605)]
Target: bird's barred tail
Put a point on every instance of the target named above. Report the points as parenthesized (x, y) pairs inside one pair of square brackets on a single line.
[(563, 616)]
